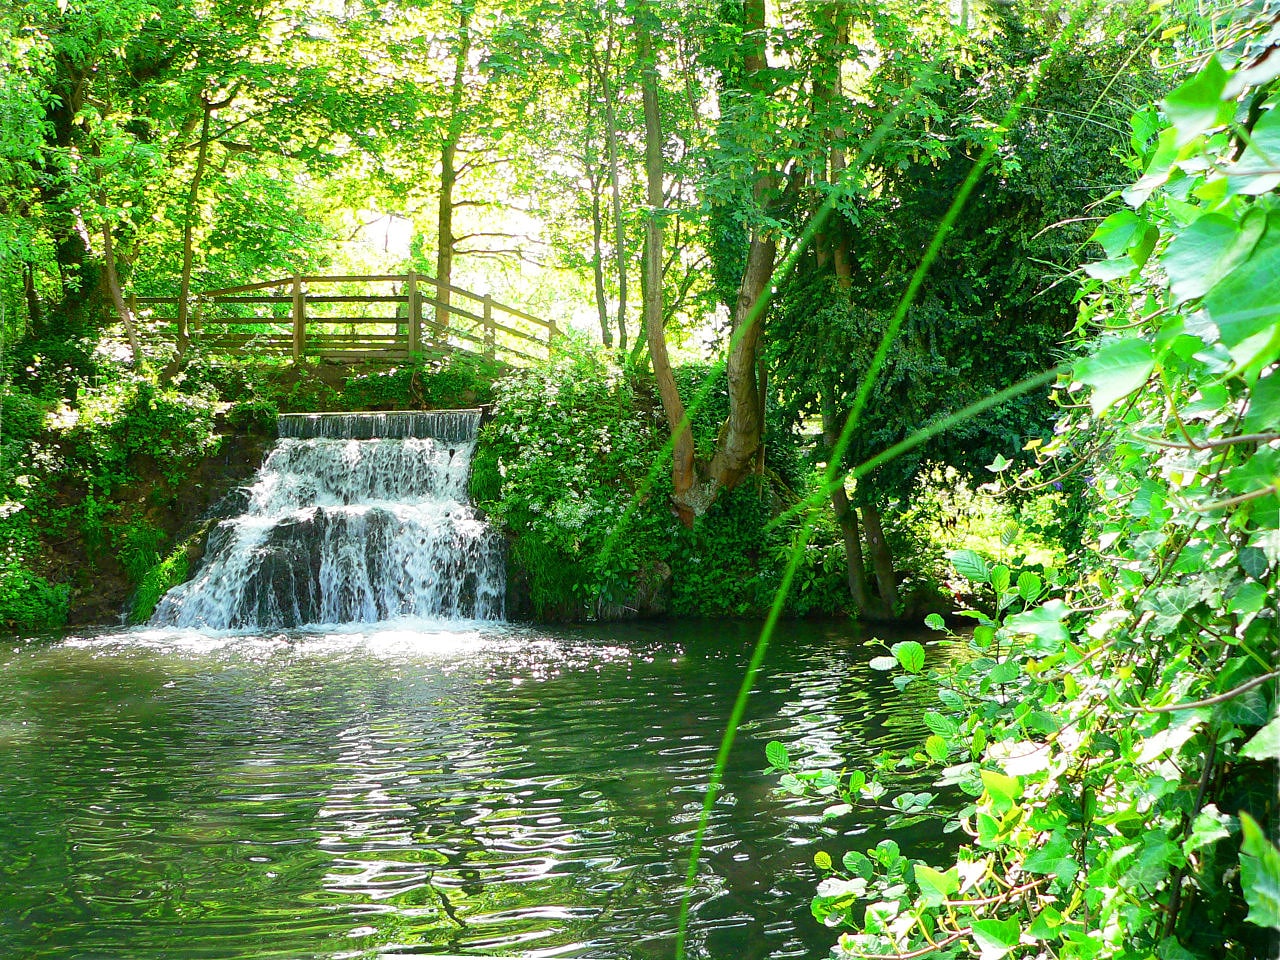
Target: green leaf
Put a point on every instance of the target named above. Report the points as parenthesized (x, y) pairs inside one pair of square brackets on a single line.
[(936, 747), (935, 622), (1003, 790), (859, 863), (1195, 257), (935, 886), (942, 726), (995, 938), (1116, 232), (1054, 857), (822, 860), (1260, 875), (1044, 623), (1265, 744), (1264, 405), (883, 663), (1029, 585), (1209, 827), (1253, 174), (1000, 579), (970, 565), (777, 755), (910, 654), (1197, 105), (1115, 371), (1245, 306)]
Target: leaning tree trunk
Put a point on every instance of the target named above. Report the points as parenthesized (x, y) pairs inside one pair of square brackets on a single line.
[(881, 558), (683, 473), (866, 604), (117, 295)]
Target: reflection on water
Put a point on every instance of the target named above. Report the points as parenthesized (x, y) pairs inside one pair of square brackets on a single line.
[(471, 789)]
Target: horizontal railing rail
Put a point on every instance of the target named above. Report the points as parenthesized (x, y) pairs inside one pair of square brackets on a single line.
[(321, 317)]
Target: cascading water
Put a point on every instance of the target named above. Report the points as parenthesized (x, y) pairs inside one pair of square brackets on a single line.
[(352, 518)]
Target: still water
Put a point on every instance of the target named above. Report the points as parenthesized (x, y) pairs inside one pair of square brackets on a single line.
[(473, 789)]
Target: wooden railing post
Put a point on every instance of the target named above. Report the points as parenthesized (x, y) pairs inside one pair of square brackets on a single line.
[(299, 318), (490, 345), (415, 316)]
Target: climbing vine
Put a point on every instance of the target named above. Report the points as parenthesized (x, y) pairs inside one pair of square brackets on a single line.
[(1112, 731)]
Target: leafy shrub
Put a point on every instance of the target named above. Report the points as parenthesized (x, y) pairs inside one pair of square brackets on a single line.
[(453, 381), (27, 600), (561, 464)]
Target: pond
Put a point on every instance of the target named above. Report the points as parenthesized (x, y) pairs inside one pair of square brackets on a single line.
[(414, 790)]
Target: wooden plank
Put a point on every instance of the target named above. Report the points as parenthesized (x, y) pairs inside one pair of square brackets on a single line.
[(299, 318), (245, 288), (353, 298), (245, 321), (260, 298), (415, 314), (343, 278)]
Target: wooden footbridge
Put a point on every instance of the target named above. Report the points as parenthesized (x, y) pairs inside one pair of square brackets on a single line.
[(353, 318)]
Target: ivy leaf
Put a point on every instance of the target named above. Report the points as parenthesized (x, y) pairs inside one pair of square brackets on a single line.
[(1209, 827), (1253, 175), (910, 654), (1197, 105), (1053, 857), (1260, 875), (1115, 371), (1265, 744), (1264, 405), (777, 755), (1116, 232), (1245, 306), (995, 938), (970, 565), (1204, 251)]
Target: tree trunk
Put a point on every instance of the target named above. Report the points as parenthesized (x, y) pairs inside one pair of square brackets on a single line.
[(683, 475), (597, 218), (881, 558), (449, 175), (188, 226), (867, 604), (740, 440), (33, 298), (117, 295), (615, 183)]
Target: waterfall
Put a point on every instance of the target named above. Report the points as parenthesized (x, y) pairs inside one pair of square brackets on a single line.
[(352, 518)]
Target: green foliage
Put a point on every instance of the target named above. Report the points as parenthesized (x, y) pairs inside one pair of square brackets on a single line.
[(1109, 728), (27, 600), (559, 465), (157, 581), (454, 381)]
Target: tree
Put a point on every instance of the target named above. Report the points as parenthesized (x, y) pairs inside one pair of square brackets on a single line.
[(995, 305)]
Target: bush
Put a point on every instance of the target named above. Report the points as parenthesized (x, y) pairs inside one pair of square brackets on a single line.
[(563, 464), (454, 381), (27, 600), (156, 582)]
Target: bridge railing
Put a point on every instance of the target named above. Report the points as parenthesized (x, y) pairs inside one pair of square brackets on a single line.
[(339, 318)]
